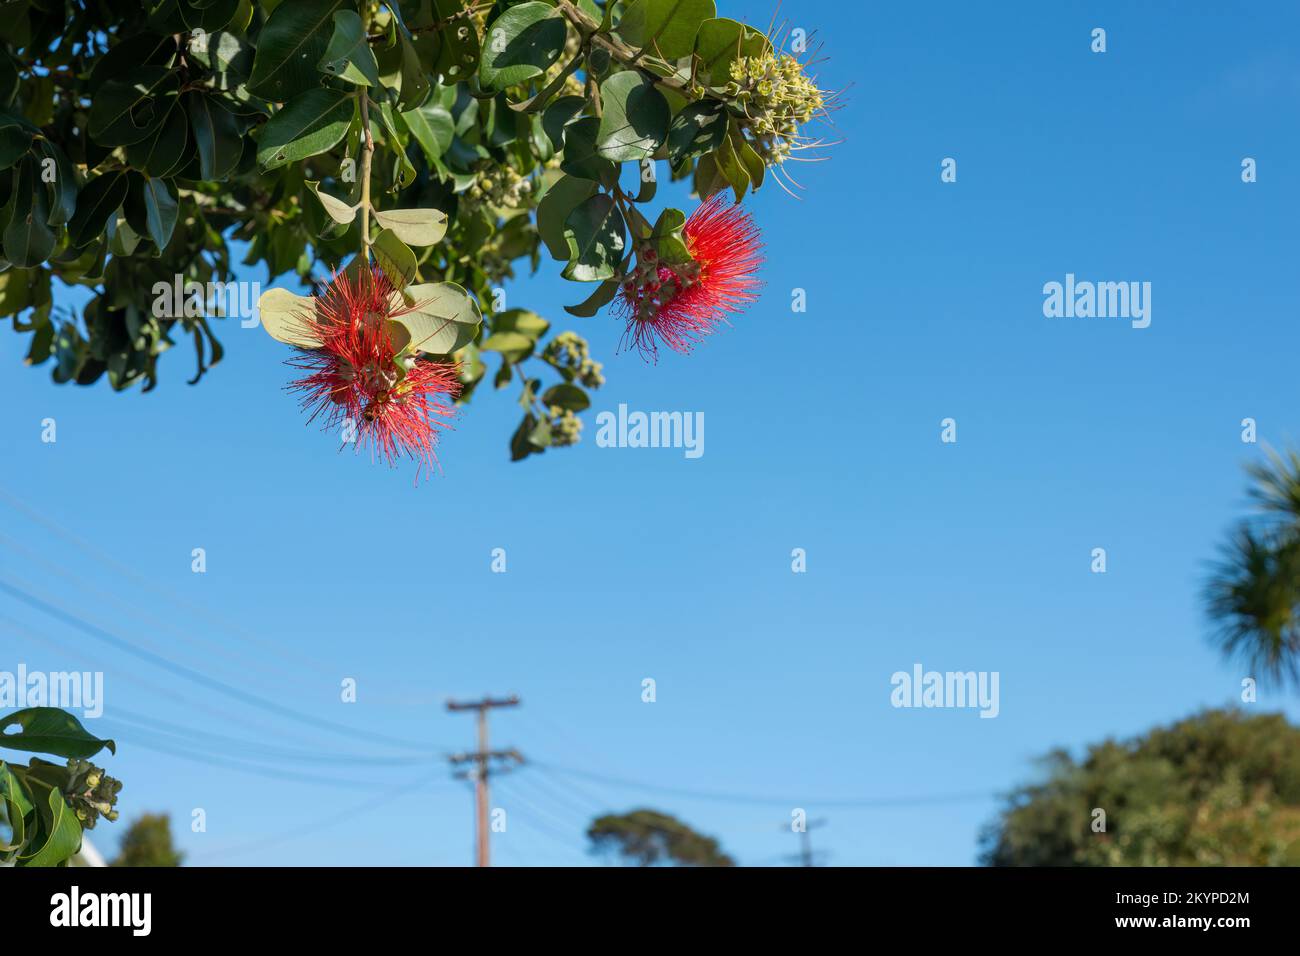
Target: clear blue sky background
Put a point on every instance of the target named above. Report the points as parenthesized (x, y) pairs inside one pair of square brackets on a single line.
[(924, 301)]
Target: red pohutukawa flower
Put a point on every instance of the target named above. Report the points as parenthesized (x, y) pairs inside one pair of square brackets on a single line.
[(680, 303), (365, 377)]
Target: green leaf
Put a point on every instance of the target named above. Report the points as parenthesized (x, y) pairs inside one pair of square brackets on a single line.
[(126, 110), (541, 434), (122, 237), (602, 297), (720, 41), (348, 55), (432, 127), (753, 164), (207, 15), (557, 116), (160, 210), (667, 239), (566, 396), (416, 227), (166, 151), (96, 202), (400, 69), (731, 168), (63, 186), (581, 157), (442, 317), (596, 236), (698, 129), (394, 257), (28, 238), (520, 445), (216, 136), (336, 208), (709, 179), (522, 321), (565, 194), (142, 49), (312, 123), (62, 834), (458, 49), (285, 317), (635, 118), (48, 730), (513, 346), (14, 142), (665, 28), (16, 804), (290, 45), (520, 44), (224, 51)]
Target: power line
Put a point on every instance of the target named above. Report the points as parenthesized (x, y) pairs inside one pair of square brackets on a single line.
[(154, 725), (875, 802), (524, 811), (381, 797), (143, 739), (210, 647), (193, 609), (519, 790), (190, 674), (190, 702), (127, 572), (563, 798)]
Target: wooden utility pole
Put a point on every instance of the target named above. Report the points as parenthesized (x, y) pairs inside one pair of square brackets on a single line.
[(806, 856), (482, 759)]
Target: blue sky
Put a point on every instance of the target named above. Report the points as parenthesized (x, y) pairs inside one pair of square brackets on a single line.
[(822, 433)]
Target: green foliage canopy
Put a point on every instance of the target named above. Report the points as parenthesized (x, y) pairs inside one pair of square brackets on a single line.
[(1218, 789), (148, 842), (139, 139), (650, 838)]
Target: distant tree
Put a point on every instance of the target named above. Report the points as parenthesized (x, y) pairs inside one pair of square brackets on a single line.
[(148, 842), (649, 838), (1254, 593), (1217, 789)]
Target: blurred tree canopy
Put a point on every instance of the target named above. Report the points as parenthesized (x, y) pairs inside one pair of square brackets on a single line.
[(148, 842), (1218, 789), (649, 838)]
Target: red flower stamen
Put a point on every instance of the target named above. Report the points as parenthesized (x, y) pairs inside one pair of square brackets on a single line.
[(360, 380), (680, 303)]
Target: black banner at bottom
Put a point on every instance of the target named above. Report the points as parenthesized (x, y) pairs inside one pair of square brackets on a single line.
[(334, 905)]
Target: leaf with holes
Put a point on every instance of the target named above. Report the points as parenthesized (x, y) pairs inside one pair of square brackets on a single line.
[(520, 44), (48, 730), (308, 125), (290, 45), (348, 55)]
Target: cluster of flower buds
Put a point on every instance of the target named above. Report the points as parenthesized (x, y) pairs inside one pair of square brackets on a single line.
[(570, 350), (90, 792), (778, 98), (500, 187), (653, 284), (566, 427)]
